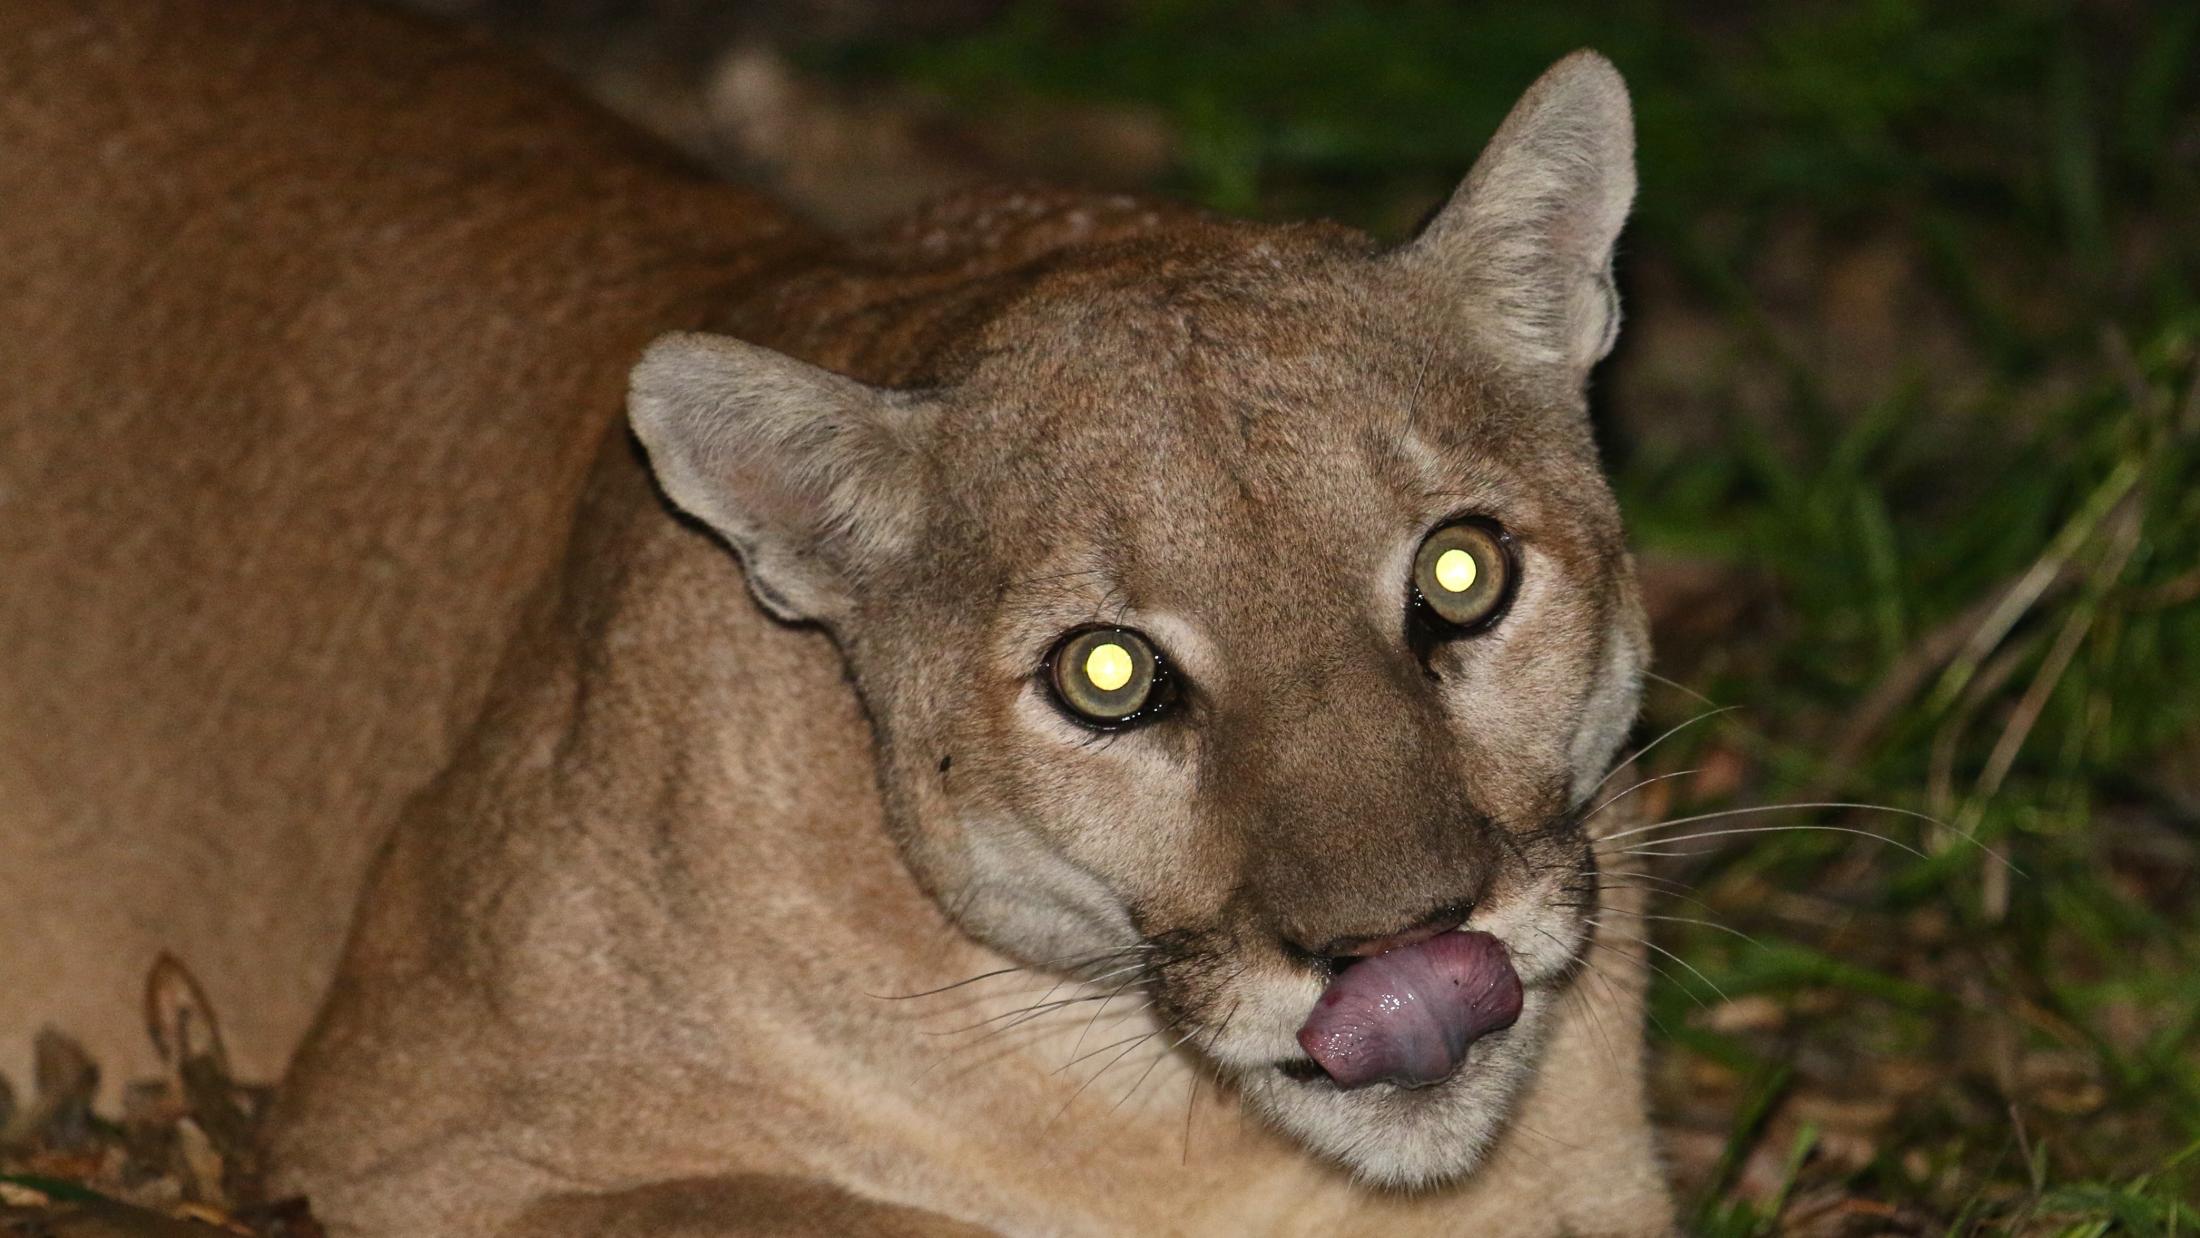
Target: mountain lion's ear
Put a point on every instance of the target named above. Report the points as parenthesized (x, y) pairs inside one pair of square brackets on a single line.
[(809, 475), (1526, 242)]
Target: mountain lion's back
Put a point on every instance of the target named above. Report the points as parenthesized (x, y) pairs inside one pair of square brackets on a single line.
[(301, 383)]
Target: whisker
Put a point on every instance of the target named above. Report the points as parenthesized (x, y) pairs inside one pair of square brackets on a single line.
[(1158, 1058), (1112, 1064), (1678, 686), (1771, 829), (1692, 969), (1672, 979), (1592, 813), (1709, 924), (1134, 967), (1610, 989), (993, 1001), (1103, 1048), (1662, 918), (1646, 749), (1743, 812), (1651, 884), (1034, 1008), (1024, 1014), (1657, 884), (977, 1054), (903, 997), (1961, 836), (1820, 804), (1029, 1014), (1595, 1019), (1102, 1009)]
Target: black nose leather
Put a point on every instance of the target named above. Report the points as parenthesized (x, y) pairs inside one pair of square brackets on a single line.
[(1352, 946)]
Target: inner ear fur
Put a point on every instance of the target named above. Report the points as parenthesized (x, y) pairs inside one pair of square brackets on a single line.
[(812, 477), (1524, 246)]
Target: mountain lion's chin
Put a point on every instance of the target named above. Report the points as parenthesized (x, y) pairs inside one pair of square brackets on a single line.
[(1406, 1137)]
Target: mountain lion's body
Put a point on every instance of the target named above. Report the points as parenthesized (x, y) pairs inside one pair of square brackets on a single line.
[(321, 532)]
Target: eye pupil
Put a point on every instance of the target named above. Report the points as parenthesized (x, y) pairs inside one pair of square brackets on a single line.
[(1455, 571), (1108, 667)]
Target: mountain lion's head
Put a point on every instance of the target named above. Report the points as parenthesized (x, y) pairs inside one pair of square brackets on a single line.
[(1250, 598)]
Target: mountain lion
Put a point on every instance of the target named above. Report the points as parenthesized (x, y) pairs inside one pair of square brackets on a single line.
[(1066, 715)]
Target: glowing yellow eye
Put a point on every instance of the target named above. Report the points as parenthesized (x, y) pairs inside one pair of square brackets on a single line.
[(1108, 675), (1108, 667), (1455, 570), (1462, 575)]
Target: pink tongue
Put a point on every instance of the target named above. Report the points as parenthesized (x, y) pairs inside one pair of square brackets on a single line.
[(1407, 1017)]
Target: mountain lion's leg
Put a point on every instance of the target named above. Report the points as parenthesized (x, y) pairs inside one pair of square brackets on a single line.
[(758, 1204)]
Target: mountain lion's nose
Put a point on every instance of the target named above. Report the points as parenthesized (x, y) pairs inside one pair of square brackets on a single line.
[(1343, 951)]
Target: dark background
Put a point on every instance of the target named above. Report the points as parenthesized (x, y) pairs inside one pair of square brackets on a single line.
[(1906, 424)]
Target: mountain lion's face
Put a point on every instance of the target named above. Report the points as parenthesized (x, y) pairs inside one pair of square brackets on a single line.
[(1177, 670), (1251, 600)]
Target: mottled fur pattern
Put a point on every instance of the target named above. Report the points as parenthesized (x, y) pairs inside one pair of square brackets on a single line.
[(670, 824)]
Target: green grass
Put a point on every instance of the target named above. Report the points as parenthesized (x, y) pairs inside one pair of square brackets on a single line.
[(1977, 575)]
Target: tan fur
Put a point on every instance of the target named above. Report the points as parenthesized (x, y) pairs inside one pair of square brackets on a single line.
[(321, 532)]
